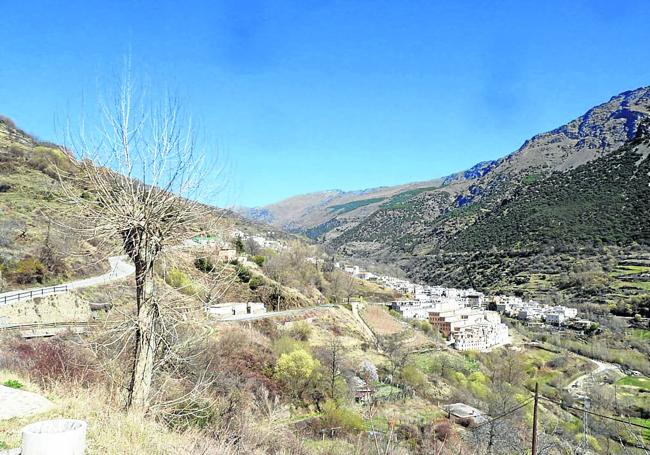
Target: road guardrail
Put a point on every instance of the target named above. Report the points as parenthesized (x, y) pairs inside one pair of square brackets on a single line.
[(32, 294)]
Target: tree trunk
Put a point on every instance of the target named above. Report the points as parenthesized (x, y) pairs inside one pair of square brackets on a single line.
[(145, 340)]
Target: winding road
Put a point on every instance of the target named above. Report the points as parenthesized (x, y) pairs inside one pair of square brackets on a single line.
[(121, 267), (577, 386)]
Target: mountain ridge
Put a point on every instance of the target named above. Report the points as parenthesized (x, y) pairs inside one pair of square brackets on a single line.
[(599, 130)]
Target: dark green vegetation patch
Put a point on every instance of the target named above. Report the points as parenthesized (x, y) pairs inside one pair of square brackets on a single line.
[(349, 206)]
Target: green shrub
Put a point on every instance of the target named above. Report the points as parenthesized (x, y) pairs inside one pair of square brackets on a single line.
[(425, 326), (255, 282), (13, 383), (259, 260), (395, 314), (297, 369), (204, 264), (285, 344), (180, 280), (243, 274), (338, 416), (29, 270), (239, 245)]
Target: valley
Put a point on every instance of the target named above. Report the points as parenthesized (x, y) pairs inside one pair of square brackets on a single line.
[(423, 318)]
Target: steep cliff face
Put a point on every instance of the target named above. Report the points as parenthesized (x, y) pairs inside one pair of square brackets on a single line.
[(601, 129)]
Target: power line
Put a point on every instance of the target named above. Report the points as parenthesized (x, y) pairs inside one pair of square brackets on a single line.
[(627, 422), (505, 414), (534, 442)]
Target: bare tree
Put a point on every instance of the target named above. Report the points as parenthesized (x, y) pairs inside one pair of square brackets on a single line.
[(142, 167), (332, 356), (503, 431), (252, 247), (505, 366), (396, 347), (342, 286)]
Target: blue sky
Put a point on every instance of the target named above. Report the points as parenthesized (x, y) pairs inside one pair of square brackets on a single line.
[(310, 95)]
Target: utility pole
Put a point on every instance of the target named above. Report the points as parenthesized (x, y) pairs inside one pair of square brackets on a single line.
[(585, 423), (534, 448)]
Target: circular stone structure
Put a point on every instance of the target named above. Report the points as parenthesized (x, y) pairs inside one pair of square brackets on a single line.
[(55, 437)]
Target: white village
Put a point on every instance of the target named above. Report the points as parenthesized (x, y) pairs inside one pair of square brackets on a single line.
[(468, 319), (463, 316)]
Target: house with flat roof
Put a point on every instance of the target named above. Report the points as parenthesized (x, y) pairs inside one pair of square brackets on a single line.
[(224, 310), (461, 411)]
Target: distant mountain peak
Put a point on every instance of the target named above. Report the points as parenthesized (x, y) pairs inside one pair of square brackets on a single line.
[(373, 221)]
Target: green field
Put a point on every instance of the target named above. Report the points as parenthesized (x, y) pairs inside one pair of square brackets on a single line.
[(646, 423), (641, 382), (643, 285), (631, 269), (641, 334), (626, 270)]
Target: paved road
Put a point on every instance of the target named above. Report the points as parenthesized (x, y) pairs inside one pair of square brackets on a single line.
[(120, 268)]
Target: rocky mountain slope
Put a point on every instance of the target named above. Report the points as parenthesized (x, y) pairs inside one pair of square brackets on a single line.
[(308, 211), (421, 217), (569, 202), (581, 234)]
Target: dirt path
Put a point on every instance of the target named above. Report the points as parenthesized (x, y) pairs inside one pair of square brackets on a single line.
[(577, 386)]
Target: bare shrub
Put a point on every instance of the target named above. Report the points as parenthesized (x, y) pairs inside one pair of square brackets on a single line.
[(443, 431), (238, 358), (247, 435), (300, 330), (51, 360)]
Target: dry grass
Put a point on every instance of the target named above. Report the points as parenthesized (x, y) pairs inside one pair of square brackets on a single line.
[(338, 322), (380, 321), (373, 292), (110, 430)]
